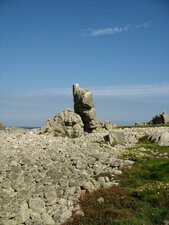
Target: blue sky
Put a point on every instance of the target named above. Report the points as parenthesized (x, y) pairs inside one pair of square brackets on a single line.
[(117, 48)]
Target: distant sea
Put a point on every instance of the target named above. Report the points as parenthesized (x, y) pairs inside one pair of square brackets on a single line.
[(29, 128)]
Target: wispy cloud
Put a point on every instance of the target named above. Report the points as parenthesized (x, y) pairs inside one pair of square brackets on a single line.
[(132, 91), (105, 91), (121, 104), (114, 30)]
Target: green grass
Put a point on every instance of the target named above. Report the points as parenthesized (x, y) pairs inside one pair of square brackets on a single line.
[(141, 198), (142, 126), (145, 143)]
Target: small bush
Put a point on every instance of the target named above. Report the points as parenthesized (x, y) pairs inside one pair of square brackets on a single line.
[(135, 155)]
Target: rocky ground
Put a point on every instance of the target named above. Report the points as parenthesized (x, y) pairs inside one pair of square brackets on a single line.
[(41, 176)]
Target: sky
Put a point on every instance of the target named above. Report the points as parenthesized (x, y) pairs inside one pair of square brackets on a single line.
[(118, 49)]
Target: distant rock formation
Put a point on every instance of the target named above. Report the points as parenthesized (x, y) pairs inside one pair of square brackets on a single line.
[(161, 118), (2, 126), (84, 106), (66, 123)]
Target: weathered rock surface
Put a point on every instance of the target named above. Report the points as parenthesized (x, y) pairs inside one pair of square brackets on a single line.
[(115, 137), (84, 106), (41, 175), (66, 123), (161, 138), (161, 118)]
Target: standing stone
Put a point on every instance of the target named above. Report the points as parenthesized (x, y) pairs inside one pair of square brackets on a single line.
[(84, 106)]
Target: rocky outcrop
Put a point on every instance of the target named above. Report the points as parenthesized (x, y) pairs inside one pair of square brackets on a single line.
[(65, 124), (161, 118), (1, 126), (161, 138), (115, 137), (84, 106)]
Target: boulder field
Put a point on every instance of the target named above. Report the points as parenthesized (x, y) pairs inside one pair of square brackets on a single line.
[(42, 176)]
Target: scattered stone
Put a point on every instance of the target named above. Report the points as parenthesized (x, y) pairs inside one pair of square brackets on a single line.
[(47, 219), (24, 212), (37, 205), (88, 186), (43, 177), (117, 172), (100, 200)]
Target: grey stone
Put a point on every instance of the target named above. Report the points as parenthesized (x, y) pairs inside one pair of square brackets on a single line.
[(24, 212), (164, 139), (47, 219), (161, 138), (100, 200), (84, 106), (66, 123), (115, 137), (88, 186), (101, 180), (37, 205), (50, 195), (117, 172), (65, 215)]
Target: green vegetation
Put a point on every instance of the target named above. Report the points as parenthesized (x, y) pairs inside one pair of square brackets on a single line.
[(148, 125), (145, 143), (135, 155), (141, 198)]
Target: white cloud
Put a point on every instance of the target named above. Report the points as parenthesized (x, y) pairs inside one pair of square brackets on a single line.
[(133, 91), (121, 104), (105, 31), (114, 30), (114, 91)]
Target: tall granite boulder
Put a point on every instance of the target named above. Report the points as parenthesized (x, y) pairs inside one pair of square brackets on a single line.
[(2, 126), (66, 123), (84, 106), (161, 118)]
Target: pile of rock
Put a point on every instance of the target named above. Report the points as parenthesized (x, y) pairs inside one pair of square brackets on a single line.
[(66, 123), (161, 118), (41, 176), (84, 106), (73, 123)]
